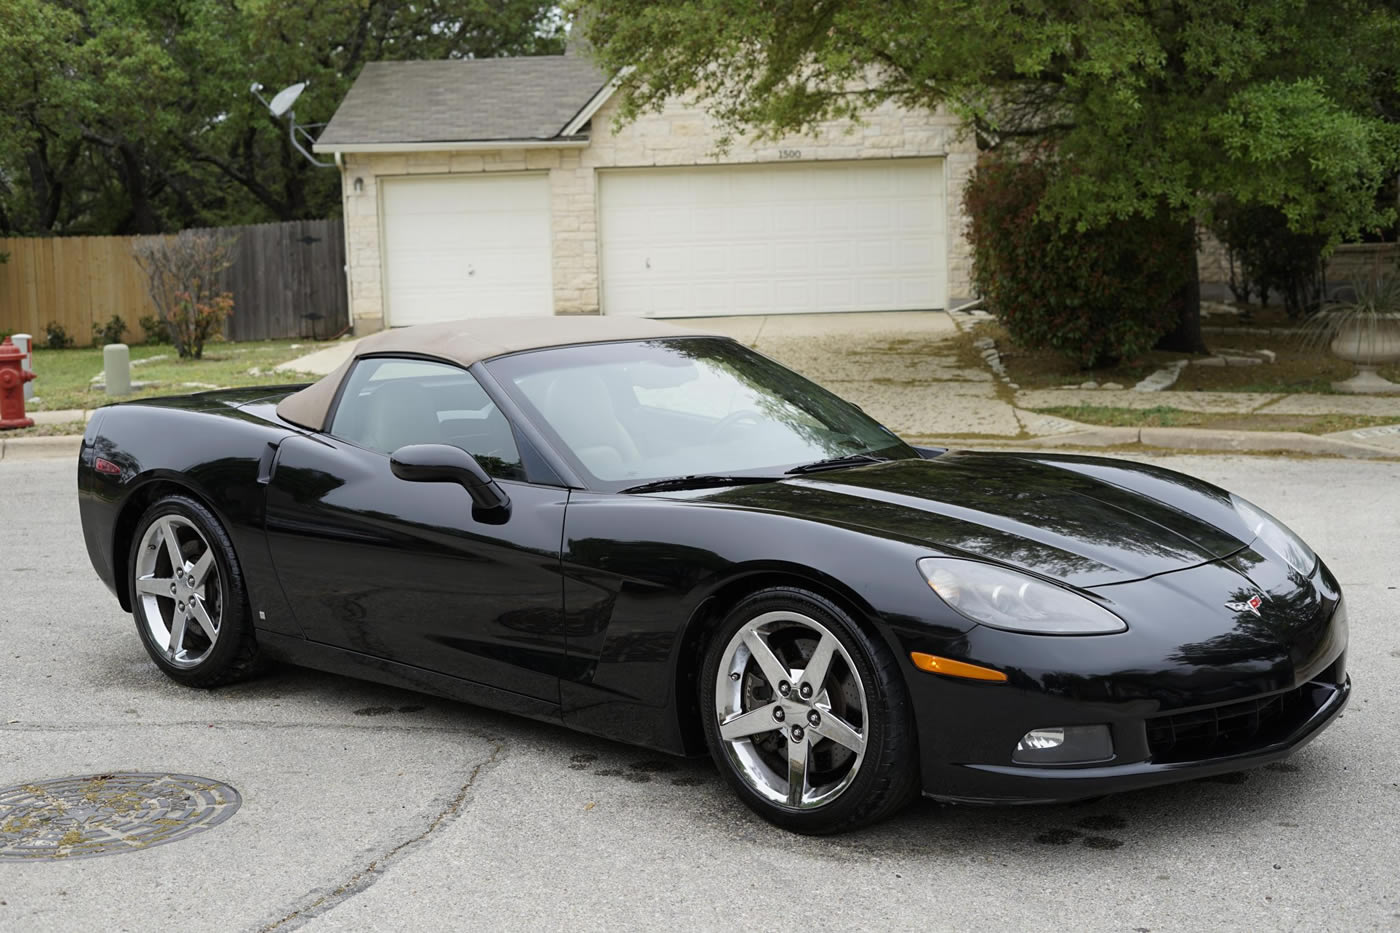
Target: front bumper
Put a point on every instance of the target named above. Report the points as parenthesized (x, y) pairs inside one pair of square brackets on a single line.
[(1019, 784), (1185, 693)]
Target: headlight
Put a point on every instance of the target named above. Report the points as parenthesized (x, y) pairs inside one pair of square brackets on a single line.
[(1015, 601), (1276, 536)]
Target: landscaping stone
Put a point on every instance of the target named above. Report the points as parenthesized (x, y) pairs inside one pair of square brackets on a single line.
[(1111, 385), (1209, 361), (1267, 356), (1163, 378)]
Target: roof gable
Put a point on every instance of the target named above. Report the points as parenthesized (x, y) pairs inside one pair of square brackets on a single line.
[(471, 101)]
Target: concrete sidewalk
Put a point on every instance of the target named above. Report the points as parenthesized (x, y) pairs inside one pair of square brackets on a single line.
[(904, 369)]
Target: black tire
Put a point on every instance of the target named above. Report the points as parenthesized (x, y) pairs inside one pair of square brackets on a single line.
[(885, 778), (230, 656)]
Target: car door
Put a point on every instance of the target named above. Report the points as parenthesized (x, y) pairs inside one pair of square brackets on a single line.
[(409, 571)]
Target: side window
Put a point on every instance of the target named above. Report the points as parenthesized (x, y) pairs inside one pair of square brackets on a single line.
[(389, 403)]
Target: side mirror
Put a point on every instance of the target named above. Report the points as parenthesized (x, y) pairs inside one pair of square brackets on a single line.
[(443, 463)]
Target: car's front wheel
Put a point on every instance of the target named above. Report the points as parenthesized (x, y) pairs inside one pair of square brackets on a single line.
[(187, 595), (806, 715)]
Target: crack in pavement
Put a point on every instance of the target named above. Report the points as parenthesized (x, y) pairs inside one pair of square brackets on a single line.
[(362, 879)]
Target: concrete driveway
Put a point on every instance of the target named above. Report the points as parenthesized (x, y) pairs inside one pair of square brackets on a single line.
[(367, 808)]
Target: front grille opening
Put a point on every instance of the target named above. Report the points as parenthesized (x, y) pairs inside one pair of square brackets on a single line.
[(1234, 727)]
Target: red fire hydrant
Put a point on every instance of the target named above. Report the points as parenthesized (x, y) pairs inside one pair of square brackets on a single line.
[(13, 376)]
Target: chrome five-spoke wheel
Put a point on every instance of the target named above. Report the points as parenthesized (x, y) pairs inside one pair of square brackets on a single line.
[(791, 710), (806, 713), (187, 595), (178, 586)]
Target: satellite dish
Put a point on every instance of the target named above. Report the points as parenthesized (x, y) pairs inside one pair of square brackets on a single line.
[(285, 98)]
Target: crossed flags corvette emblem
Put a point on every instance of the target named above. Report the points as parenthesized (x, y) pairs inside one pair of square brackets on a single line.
[(1249, 605)]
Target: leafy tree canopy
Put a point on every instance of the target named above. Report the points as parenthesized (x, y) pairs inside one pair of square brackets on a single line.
[(1141, 106), (134, 116)]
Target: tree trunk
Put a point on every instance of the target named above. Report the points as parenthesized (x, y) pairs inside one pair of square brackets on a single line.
[(133, 174), (1186, 336)]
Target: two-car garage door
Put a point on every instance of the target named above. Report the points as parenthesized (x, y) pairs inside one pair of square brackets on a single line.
[(773, 238), (735, 239)]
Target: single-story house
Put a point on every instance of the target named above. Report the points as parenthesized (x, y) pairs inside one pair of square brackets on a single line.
[(499, 186)]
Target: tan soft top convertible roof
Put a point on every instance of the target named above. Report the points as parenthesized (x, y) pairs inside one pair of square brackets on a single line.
[(468, 342)]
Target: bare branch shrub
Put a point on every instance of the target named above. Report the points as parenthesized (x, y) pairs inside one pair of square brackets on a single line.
[(182, 276)]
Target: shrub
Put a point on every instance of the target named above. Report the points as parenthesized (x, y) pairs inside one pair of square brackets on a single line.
[(111, 332), (182, 276), (56, 337), (155, 330), (1266, 256), (1096, 296)]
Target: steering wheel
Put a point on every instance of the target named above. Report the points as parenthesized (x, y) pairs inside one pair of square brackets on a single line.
[(724, 424)]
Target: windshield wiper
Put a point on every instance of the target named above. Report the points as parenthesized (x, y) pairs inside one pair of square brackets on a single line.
[(696, 481), (837, 463)]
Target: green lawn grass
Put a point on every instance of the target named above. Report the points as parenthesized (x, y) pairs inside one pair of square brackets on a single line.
[(64, 377)]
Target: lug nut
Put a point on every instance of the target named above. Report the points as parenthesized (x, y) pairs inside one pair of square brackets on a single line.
[(778, 713), (814, 718), (734, 675), (784, 687), (797, 733), (181, 606), (806, 691), (172, 587)]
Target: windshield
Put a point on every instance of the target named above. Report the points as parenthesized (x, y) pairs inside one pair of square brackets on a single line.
[(628, 413)]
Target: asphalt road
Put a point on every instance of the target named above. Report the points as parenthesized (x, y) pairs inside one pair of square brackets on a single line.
[(368, 808)]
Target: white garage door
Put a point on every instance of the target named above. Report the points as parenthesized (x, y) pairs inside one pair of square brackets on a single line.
[(773, 239), (467, 246)]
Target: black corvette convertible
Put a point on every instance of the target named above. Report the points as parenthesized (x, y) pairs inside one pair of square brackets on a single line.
[(662, 537)]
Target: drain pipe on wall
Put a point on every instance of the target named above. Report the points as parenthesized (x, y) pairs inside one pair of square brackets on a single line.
[(345, 267)]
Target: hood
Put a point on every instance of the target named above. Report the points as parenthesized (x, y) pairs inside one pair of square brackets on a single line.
[(1085, 521)]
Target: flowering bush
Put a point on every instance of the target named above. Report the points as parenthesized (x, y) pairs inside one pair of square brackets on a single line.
[(197, 320)]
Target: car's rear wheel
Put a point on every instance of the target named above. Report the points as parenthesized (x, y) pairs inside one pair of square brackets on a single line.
[(187, 595), (806, 715)]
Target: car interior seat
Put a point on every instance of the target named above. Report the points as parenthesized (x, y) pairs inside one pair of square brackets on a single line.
[(579, 407), (399, 413)]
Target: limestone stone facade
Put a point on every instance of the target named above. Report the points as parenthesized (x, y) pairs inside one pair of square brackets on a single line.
[(681, 135)]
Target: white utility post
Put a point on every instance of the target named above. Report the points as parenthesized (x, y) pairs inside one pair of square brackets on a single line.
[(25, 342)]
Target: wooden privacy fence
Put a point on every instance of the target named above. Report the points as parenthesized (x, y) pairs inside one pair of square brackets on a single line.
[(287, 280)]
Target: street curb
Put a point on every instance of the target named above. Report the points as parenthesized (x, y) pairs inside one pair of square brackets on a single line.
[(1198, 439), (1285, 441), (40, 448), (1093, 437)]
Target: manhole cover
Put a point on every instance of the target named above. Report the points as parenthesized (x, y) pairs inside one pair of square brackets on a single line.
[(105, 814)]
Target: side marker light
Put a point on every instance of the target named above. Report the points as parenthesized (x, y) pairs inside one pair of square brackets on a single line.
[(947, 666)]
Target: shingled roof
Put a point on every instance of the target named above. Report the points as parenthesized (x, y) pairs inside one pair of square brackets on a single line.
[(473, 101)]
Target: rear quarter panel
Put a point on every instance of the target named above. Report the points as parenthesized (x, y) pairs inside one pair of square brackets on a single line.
[(209, 450)]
